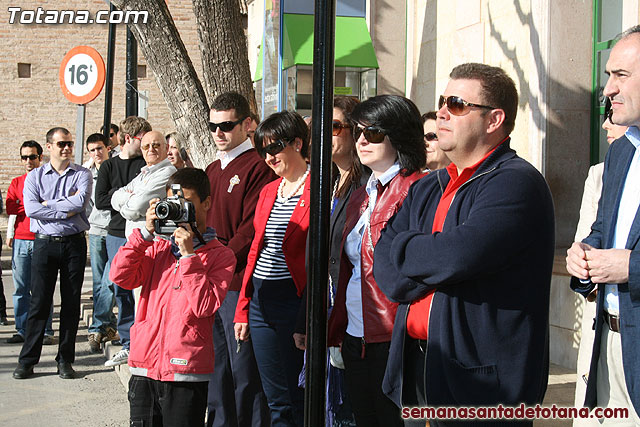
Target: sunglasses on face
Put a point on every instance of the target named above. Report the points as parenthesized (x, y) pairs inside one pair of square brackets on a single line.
[(430, 136), (30, 157), (273, 148), (111, 135), (154, 145), (62, 144), (224, 126), (372, 134), (458, 106), (337, 126)]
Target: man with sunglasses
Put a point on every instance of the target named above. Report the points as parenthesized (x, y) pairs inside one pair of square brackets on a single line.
[(56, 196), (235, 391), (469, 257), (22, 246), (608, 258), (114, 143), (115, 173)]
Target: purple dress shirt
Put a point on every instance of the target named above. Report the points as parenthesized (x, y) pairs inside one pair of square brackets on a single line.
[(64, 193)]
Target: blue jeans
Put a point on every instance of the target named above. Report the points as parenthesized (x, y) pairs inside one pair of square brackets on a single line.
[(103, 301), (124, 297), (273, 313), (21, 269)]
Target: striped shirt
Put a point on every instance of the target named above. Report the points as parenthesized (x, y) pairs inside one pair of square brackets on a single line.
[(271, 264)]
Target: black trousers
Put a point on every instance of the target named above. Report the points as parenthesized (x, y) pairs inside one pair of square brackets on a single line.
[(69, 257), (3, 301), (363, 379), (235, 395), (166, 403)]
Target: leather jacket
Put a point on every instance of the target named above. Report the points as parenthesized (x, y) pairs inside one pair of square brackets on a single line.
[(378, 312)]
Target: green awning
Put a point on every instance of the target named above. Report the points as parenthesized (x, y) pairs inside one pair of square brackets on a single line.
[(353, 43)]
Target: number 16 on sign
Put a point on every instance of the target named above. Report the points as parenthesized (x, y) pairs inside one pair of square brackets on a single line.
[(82, 76)]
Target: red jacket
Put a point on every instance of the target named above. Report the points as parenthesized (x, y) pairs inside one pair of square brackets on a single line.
[(172, 332), (293, 244), (15, 206), (378, 312)]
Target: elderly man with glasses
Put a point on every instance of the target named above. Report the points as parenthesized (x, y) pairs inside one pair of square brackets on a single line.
[(55, 199), (469, 258)]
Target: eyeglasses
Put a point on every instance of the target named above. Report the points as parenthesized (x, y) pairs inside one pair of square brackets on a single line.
[(273, 148), (337, 126), (372, 134), (62, 144), (111, 135), (154, 145), (30, 157), (458, 106), (430, 136), (224, 126)]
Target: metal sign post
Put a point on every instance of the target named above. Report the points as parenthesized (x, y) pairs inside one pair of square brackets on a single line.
[(82, 76)]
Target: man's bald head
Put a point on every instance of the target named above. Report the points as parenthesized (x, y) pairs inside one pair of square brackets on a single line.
[(154, 147)]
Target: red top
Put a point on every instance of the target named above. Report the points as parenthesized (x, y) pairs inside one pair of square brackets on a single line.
[(15, 206), (418, 316)]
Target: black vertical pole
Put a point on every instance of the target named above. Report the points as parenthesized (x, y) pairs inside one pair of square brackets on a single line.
[(131, 107), (108, 89), (322, 115)]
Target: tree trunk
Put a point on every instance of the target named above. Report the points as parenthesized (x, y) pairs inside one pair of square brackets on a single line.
[(175, 75), (223, 47)]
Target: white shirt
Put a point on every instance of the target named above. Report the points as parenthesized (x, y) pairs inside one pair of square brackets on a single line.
[(627, 210), (227, 157), (353, 249)]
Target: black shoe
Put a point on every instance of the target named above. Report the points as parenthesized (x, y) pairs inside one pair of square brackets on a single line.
[(15, 339), (65, 370), (23, 372), (4, 321)]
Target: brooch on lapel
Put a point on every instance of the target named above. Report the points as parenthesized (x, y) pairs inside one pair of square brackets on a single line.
[(233, 182)]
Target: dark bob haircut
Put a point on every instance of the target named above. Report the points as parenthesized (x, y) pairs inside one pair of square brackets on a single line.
[(285, 126), (399, 119)]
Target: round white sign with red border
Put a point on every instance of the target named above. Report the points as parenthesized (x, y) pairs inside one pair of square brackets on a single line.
[(82, 74)]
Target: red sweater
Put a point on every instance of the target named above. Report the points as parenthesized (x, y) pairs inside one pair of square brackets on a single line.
[(15, 206), (232, 212)]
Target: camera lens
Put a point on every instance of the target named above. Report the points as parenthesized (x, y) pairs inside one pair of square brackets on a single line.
[(168, 211)]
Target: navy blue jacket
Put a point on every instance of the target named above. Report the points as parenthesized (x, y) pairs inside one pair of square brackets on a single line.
[(616, 166), (491, 269)]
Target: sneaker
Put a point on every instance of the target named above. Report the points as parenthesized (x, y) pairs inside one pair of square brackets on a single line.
[(47, 340), (110, 335), (4, 321), (120, 358), (15, 339), (94, 342)]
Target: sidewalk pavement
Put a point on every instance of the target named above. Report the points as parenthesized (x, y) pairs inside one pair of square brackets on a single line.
[(98, 397)]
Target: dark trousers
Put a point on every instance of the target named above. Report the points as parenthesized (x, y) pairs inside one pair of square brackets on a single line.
[(272, 317), (69, 257), (235, 396), (3, 300), (363, 380), (124, 297), (166, 403)]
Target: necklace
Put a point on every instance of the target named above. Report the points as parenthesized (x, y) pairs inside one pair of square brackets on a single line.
[(300, 181)]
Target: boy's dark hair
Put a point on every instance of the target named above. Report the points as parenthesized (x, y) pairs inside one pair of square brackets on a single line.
[(431, 115), (96, 137), (399, 119), (32, 144), (193, 179), (114, 127), (232, 100)]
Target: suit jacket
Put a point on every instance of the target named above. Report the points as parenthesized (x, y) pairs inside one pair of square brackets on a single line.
[(293, 244), (616, 166)]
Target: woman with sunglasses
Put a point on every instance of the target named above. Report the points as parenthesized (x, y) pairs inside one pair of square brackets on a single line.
[(436, 158), (275, 276), (389, 140)]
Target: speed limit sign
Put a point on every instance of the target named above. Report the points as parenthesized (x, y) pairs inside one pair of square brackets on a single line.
[(82, 74)]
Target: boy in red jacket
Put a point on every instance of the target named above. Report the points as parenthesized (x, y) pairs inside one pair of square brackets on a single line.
[(184, 280)]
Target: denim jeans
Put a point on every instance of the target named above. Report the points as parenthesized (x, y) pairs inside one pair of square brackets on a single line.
[(103, 301), (21, 269), (124, 297)]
